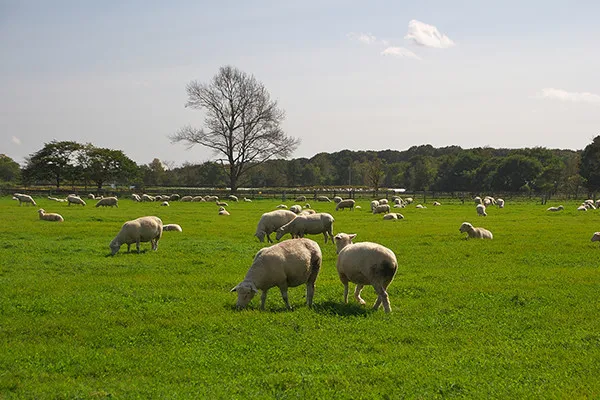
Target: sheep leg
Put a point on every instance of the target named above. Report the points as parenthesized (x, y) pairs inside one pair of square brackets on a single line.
[(325, 236), (269, 238), (263, 299), (128, 247), (357, 291), (137, 246), (382, 297), (345, 283), (284, 296)]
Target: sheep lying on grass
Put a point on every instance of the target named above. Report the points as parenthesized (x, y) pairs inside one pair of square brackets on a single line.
[(172, 227), (271, 221), (50, 216), (223, 211), (56, 199), (143, 229), (165, 204), (286, 264), (108, 202), (559, 208), (308, 224), (476, 233), (365, 263), (393, 216)]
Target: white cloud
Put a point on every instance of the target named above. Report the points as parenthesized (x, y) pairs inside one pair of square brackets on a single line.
[(427, 35), (365, 38), (399, 52), (16, 140), (563, 95)]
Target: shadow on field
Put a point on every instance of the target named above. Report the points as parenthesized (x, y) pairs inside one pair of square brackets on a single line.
[(341, 309), (127, 253)]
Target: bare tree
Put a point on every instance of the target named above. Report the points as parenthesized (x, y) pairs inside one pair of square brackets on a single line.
[(242, 123), (374, 173)]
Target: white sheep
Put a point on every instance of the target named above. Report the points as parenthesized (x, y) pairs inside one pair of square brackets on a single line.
[(500, 203), (24, 198), (187, 199), (197, 199), (365, 263), (307, 211), (143, 229), (481, 210), (174, 197), (408, 200), (233, 197), (300, 199), (382, 208), (337, 199), (582, 208), (247, 200), (56, 199), (108, 202), (223, 211), (348, 203), (50, 216), (287, 264), (308, 224), (165, 204), (282, 206), (374, 204), (307, 205), (172, 227), (74, 199), (596, 237), (211, 198), (393, 216), (397, 206), (91, 196), (420, 206), (296, 209), (136, 197), (589, 206), (477, 233), (477, 200), (222, 203), (271, 221), (559, 208), (437, 203), (323, 198), (383, 201), (147, 197)]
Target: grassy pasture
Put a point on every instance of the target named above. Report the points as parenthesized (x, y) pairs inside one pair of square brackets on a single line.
[(515, 317)]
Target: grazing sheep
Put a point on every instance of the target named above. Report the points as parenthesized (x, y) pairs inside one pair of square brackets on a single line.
[(559, 208), (91, 196), (211, 198), (174, 197), (300, 199), (247, 200), (108, 202), (296, 209), (233, 197), (476, 233), (186, 199), (582, 208), (408, 200), (165, 204), (383, 201), (172, 227), (437, 203), (500, 203), (24, 198), (420, 206), (50, 216), (223, 211), (365, 263), (481, 210), (143, 229), (323, 198), (348, 203), (308, 224), (337, 199), (393, 216), (307, 212), (197, 199), (146, 197), (596, 237), (287, 264), (382, 208), (477, 200), (589, 206), (271, 221), (136, 197), (282, 206), (374, 204), (74, 199), (222, 204)]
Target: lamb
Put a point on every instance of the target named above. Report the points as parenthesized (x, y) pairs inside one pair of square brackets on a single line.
[(374, 204), (186, 199), (337, 199), (197, 199), (282, 206), (74, 199), (233, 197), (165, 204), (477, 200), (136, 197), (481, 210), (559, 208), (108, 202), (393, 216), (222, 204), (50, 216), (211, 198), (174, 197), (476, 233), (348, 203), (437, 203), (172, 227), (300, 199), (271, 221), (420, 206), (247, 200), (143, 229), (382, 208), (365, 263), (323, 198), (296, 209), (398, 201), (146, 197), (408, 200), (500, 203), (596, 237), (223, 211), (308, 224), (287, 264), (582, 208), (24, 198)]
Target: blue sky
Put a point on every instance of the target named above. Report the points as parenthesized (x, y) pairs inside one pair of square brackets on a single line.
[(349, 74)]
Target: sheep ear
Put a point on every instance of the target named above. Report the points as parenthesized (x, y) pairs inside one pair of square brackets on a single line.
[(352, 236)]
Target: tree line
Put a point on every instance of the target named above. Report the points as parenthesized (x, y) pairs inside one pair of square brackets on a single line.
[(420, 168)]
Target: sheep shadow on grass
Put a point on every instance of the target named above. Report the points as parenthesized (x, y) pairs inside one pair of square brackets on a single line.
[(342, 309)]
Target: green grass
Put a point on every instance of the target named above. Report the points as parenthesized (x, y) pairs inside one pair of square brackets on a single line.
[(516, 317)]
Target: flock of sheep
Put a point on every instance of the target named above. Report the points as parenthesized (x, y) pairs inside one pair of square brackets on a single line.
[(292, 262)]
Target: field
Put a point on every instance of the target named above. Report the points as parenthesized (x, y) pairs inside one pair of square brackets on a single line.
[(515, 317)]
